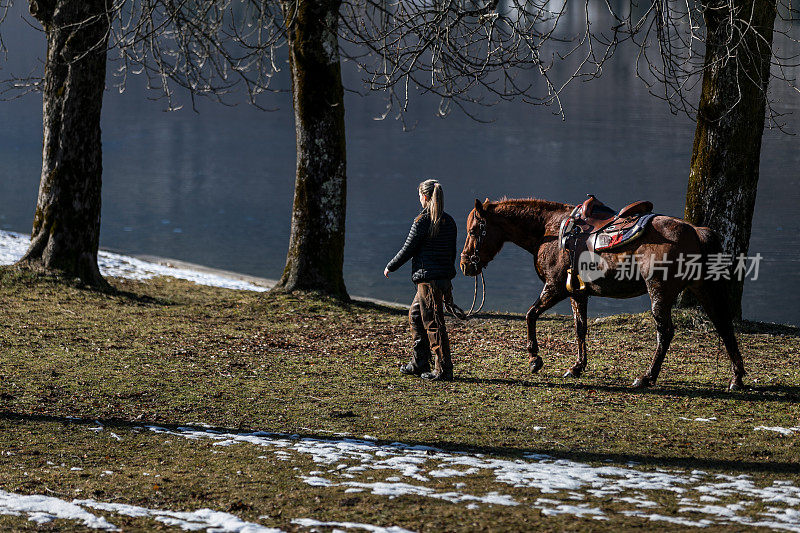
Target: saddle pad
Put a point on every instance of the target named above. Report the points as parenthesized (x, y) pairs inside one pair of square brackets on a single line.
[(611, 238)]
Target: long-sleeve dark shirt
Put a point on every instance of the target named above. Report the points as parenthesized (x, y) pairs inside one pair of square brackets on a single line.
[(432, 257)]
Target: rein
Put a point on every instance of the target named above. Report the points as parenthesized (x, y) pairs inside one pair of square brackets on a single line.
[(459, 313), (473, 259)]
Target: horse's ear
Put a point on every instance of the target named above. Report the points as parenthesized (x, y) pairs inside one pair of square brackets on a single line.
[(486, 201), (479, 207)]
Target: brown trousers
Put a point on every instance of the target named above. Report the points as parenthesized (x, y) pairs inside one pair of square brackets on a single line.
[(428, 330)]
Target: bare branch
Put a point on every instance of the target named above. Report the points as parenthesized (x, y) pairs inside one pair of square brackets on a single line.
[(211, 48), (472, 52), (674, 36)]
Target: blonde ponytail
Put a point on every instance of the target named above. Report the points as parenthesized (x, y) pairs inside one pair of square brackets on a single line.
[(432, 190)]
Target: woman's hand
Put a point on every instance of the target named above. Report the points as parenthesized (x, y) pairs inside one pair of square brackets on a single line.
[(386, 272)]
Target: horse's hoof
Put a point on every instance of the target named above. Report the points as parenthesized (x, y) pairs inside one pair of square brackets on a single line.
[(536, 364), (735, 384), (572, 373), (642, 382)]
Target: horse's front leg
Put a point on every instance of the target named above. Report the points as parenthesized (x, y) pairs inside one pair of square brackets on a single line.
[(579, 304), (551, 294)]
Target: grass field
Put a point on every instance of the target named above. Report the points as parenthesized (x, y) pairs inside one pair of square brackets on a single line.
[(288, 411)]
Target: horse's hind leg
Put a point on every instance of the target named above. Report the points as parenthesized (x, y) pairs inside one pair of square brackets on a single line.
[(551, 294), (713, 298), (661, 300), (579, 304)]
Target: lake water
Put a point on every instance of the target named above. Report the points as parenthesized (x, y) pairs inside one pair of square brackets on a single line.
[(215, 187)]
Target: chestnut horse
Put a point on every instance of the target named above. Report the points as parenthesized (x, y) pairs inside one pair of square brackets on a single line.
[(534, 226)]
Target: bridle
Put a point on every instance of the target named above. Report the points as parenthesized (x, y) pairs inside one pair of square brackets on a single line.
[(474, 260)]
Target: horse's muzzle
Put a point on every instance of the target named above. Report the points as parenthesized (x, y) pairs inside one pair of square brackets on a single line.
[(469, 268)]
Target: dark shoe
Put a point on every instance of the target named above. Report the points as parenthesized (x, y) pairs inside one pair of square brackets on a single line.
[(441, 376), (410, 370)]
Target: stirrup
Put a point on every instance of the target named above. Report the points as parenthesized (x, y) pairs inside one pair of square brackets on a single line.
[(570, 288)]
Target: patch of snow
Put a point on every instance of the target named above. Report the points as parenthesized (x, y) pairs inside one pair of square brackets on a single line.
[(14, 245), (309, 522), (44, 509), (315, 481), (393, 490), (785, 517), (207, 519), (728, 511), (671, 519), (554, 507), (451, 472), (778, 429), (350, 462), (638, 502), (742, 486)]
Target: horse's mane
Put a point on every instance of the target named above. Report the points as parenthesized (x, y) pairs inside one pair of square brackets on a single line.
[(531, 213), (526, 206)]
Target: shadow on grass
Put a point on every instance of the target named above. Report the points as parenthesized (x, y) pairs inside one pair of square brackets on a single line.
[(24, 276), (725, 465), (398, 311), (774, 393), (374, 306), (747, 326), (686, 320), (141, 299)]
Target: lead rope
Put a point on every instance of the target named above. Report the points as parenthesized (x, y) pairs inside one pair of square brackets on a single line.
[(451, 307), (459, 313)]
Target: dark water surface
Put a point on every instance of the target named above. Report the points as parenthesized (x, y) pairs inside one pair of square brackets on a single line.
[(215, 187)]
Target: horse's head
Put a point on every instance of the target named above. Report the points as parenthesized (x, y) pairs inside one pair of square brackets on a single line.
[(484, 239)]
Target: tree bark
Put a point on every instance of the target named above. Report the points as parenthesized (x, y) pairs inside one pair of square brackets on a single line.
[(316, 248), (66, 225), (730, 123)]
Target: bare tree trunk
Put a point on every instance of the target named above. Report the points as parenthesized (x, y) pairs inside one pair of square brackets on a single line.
[(316, 248), (66, 226), (730, 123)]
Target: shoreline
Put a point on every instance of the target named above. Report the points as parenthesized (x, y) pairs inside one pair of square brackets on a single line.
[(115, 263), (267, 283)]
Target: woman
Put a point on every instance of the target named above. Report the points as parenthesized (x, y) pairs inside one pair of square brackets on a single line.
[(431, 246)]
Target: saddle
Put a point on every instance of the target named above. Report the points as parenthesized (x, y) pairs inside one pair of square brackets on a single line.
[(597, 215), (596, 227)]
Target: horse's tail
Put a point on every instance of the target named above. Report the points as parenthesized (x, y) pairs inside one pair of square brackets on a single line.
[(710, 245), (712, 285), (713, 293), (710, 242)]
